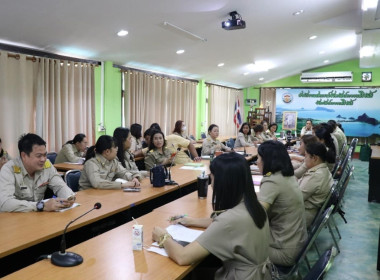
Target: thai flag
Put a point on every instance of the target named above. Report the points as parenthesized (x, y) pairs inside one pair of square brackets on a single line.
[(237, 117)]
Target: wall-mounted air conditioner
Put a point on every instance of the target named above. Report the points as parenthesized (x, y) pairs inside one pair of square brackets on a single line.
[(327, 77)]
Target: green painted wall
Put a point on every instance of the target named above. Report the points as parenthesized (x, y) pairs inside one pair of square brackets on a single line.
[(97, 74), (112, 98), (201, 109)]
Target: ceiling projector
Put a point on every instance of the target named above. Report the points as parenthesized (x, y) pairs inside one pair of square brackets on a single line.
[(235, 22)]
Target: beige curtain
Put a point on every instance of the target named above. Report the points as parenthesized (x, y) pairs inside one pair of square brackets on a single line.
[(66, 107), (268, 99), (43, 97), (17, 99), (221, 102), (152, 98)]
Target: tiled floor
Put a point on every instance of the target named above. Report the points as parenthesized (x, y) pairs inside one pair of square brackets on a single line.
[(359, 244)]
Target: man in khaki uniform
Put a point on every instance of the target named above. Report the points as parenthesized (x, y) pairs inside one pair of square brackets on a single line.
[(23, 181)]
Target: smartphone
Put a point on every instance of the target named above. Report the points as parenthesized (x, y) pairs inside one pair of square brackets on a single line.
[(71, 197), (132, 189)]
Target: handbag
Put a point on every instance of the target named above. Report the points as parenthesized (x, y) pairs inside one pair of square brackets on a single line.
[(158, 174)]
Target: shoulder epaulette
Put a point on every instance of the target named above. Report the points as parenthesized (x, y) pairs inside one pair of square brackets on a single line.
[(268, 174), (16, 169), (47, 164)]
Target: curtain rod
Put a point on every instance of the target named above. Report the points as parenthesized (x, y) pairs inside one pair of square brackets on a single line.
[(125, 69), (210, 84), (38, 53)]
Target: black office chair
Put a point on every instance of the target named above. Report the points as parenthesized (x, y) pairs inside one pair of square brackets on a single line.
[(72, 179), (230, 143), (51, 156), (321, 267)]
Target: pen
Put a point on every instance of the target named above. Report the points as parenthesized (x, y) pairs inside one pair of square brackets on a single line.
[(177, 217)]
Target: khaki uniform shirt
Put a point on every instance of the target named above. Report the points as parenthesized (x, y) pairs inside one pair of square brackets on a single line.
[(304, 131), (69, 153), (100, 173), (154, 157), (300, 170), (286, 213), (315, 185), (209, 146), (20, 193), (340, 139), (243, 248), (131, 166), (136, 144), (244, 140), (173, 142)]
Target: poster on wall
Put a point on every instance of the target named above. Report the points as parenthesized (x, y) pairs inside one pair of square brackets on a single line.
[(357, 109), (289, 120)]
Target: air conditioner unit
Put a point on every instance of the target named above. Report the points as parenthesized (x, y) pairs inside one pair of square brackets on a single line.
[(327, 77)]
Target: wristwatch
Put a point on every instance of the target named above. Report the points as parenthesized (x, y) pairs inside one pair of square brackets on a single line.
[(40, 206)]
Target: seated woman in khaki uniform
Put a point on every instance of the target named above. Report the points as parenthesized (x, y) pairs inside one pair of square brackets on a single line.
[(282, 198), (136, 141), (259, 134), (265, 135), (101, 167), (73, 150), (238, 236), (123, 141), (211, 144), (316, 183), (298, 159), (158, 153), (244, 138), (272, 131)]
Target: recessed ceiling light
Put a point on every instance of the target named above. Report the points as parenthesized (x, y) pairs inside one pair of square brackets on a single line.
[(298, 13), (122, 33), (326, 61), (321, 52), (261, 79), (221, 64), (246, 73), (312, 37), (180, 51)]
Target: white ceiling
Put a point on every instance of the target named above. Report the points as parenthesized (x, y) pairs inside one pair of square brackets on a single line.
[(87, 29)]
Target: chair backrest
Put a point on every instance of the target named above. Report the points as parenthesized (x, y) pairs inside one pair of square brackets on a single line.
[(231, 143), (344, 164), (321, 267), (72, 179), (353, 145), (203, 135), (192, 137), (343, 183), (314, 232), (328, 202), (51, 156), (343, 151)]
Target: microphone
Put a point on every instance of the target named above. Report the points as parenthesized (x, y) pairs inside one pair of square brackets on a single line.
[(170, 182), (66, 259)]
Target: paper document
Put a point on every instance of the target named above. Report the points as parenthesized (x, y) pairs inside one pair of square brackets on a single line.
[(193, 168), (178, 232), (65, 209)]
